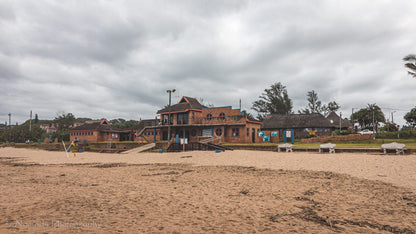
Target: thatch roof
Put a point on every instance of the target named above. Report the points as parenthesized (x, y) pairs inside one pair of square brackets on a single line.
[(293, 121), (184, 104), (334, 119)]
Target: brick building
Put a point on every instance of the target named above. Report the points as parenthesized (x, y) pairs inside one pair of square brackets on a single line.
[(99, 131), (194, 121)]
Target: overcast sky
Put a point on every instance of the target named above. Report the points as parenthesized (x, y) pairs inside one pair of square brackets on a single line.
[(116, 59)]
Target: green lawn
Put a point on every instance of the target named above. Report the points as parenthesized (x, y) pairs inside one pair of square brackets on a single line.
[(410, 143)]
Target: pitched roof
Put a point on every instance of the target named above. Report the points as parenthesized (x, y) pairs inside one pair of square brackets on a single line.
[(184, 104), (296, 121), (102, 125), (335, 120)]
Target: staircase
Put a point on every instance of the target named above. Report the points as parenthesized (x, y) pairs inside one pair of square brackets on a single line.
[(140, 149)]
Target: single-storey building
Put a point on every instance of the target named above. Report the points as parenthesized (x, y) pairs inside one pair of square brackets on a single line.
[(191, 120), (301, 124), (98, 131)]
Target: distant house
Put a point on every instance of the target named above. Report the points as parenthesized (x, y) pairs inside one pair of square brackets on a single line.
[(76, 124), (302, 124), (50, 127), (194, 121), (99, 131)]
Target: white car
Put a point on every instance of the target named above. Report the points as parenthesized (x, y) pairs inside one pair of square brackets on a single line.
[(365, 131)]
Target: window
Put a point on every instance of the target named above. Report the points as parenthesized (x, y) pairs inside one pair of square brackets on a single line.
[(209, 117), (218, 132), (235, 132), (165, 119), (182, 118), (222, 116), (206, 132), (248, 132)]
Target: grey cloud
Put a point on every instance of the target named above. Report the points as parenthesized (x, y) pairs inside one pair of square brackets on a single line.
[(107, 59)]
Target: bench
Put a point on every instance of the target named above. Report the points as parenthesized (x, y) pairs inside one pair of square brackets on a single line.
[(286, 146), (329, 146), (398, 147)]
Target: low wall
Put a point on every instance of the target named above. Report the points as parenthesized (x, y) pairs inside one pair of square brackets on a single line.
[(115, 145), (350, 137), (271, 147)]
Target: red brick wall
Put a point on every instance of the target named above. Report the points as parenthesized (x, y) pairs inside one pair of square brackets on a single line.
[(96, 136), (350, 137), (215, 116), (272, 139), (148, 135)]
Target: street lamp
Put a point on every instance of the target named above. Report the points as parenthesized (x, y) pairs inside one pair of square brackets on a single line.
[(170, 91)]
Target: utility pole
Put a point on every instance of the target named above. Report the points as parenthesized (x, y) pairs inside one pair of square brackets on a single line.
[(340, 121), (170, 91), (240, 104), (10, 120), (374, 127)]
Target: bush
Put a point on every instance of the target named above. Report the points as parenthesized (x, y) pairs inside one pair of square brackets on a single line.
[(400, 134), (342, 132)]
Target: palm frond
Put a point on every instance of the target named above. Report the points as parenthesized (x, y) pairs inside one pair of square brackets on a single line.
[(410, 57)]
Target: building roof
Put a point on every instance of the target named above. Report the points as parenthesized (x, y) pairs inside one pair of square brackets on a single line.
[(334, 119), (184, 104), (102, 125), (296, 121)]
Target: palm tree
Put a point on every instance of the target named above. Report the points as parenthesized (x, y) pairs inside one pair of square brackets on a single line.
[(411, 64)]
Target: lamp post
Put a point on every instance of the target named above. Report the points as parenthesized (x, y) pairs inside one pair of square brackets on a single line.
[(170, 91)]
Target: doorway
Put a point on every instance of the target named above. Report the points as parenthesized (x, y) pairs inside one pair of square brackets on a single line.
[(253, 135)]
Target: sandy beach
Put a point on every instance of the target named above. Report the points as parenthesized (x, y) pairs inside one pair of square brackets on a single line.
[(232, 191)]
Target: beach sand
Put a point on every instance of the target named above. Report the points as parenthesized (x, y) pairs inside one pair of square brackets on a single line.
[(193, 192)]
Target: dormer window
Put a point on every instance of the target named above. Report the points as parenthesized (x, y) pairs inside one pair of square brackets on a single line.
[(209, 117), (221, 116)]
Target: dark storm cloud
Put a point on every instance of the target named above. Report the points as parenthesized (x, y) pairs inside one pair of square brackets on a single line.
[(116, 60)]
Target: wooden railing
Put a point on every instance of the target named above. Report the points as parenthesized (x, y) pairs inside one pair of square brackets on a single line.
[(211, 139)]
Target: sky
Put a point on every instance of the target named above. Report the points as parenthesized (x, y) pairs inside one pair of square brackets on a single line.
[(116, 59)]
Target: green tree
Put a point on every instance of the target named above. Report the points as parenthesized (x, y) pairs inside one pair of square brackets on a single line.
[(410, 64), (410, 117), (248, 115), (125, 125), (64, 120), (273, 101), (36, 119), (333, 106), (21, 133), (315, 105), (365, 117)]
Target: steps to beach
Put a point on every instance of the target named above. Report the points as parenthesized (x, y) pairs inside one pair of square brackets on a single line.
[(140, 149)]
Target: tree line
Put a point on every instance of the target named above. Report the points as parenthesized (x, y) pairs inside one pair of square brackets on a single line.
[(63, 122), (275, 100)]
